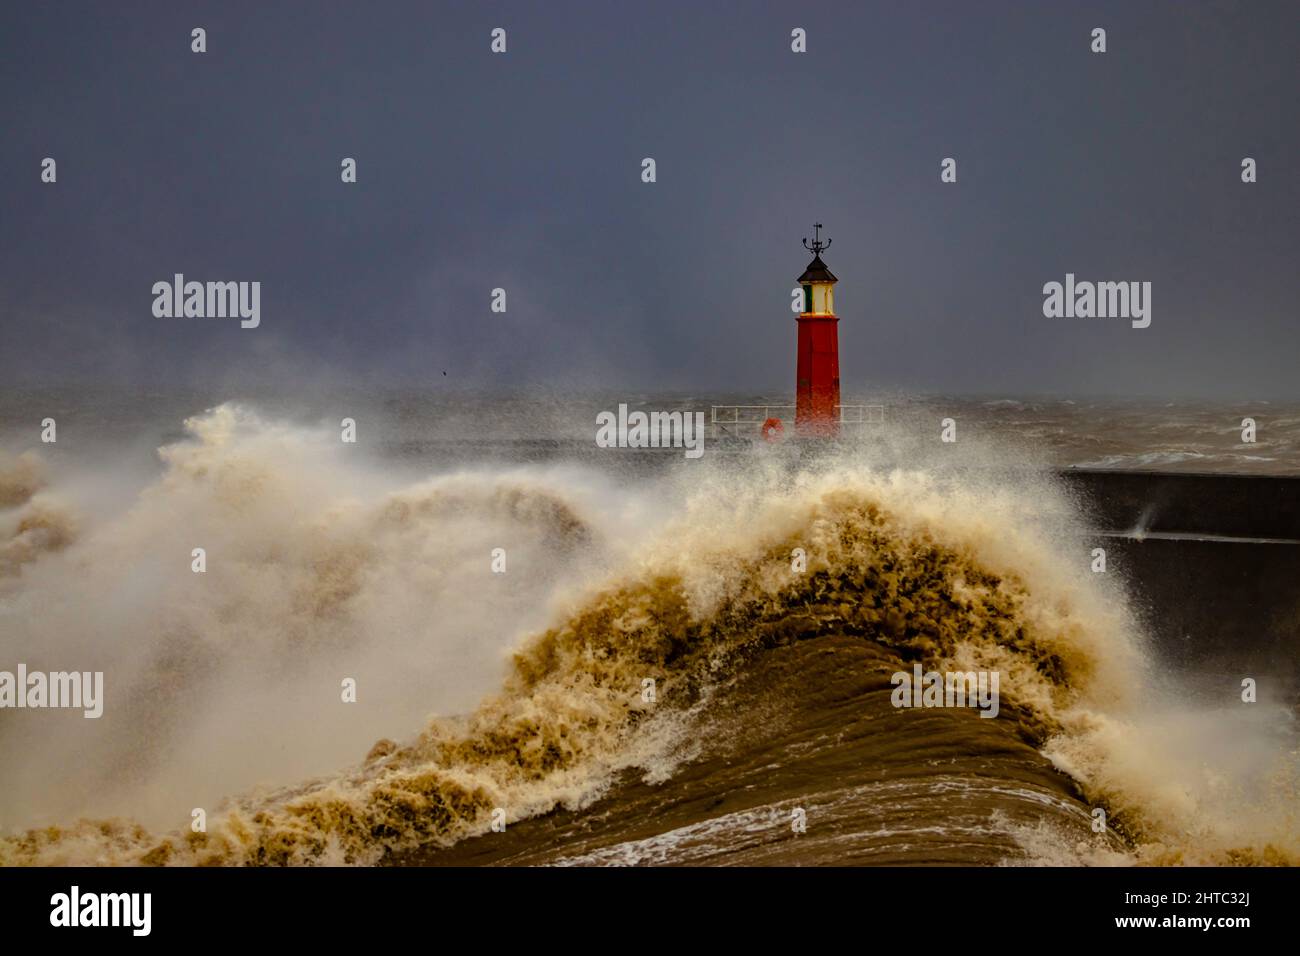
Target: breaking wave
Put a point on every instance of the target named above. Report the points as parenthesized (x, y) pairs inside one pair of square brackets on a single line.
[(319, 568)]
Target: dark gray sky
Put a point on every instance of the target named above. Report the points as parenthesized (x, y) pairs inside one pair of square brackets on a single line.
[(523, 171)]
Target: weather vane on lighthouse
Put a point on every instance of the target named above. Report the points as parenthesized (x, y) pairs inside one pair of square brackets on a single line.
[(817, 245)]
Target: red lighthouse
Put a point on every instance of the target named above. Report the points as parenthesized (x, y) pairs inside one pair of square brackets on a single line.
[(817, 375)]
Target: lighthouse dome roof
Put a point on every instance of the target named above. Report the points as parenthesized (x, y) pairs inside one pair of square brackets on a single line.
[(817, 272)]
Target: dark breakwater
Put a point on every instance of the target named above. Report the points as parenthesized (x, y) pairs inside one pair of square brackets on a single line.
[(1212, 562)]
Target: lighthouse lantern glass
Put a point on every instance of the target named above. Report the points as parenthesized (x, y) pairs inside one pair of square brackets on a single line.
[(821, 301)]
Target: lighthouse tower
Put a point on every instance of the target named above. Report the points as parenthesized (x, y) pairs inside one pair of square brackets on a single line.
[(817, 374)]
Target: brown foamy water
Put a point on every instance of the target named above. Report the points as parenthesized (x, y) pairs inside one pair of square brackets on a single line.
[(771, 682)]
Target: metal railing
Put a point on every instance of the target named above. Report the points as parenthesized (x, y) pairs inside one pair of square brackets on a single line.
[(733, 419), (865, 414)]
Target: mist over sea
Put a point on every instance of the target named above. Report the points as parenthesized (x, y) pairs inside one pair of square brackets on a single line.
[(518, 691), (430, 428)]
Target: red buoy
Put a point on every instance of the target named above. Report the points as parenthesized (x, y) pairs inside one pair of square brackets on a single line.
[(772, 429)]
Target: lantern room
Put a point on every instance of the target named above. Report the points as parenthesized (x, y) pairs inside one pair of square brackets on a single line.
[(818, 283)]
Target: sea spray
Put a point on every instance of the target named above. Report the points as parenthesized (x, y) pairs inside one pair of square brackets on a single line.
[(941, 570)]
